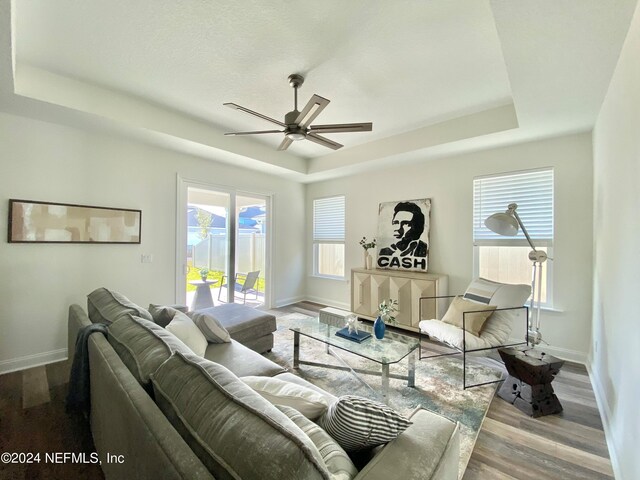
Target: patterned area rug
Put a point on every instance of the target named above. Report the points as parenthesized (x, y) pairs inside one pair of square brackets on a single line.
[(438, 382)]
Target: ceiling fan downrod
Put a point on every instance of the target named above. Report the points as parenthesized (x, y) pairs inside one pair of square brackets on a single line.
[(293, 131)]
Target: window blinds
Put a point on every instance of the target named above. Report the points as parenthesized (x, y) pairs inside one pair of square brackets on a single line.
[(531, 190), (328, 219)]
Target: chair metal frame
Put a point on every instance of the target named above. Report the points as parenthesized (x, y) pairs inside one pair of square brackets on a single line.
[(242, 288), (464, 350)]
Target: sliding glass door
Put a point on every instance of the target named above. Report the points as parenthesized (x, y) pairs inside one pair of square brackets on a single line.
[(222, 244)]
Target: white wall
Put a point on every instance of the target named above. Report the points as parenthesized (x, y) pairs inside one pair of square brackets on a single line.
[(615, 354), (42, 161), (448, 182)]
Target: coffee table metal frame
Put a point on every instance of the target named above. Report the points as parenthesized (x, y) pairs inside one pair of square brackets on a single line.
[(405, 346)]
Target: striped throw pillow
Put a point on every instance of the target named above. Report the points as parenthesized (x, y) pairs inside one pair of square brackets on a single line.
[(211, 327), (357, 423)]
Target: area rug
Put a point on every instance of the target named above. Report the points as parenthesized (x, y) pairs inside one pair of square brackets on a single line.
[(438, 382)]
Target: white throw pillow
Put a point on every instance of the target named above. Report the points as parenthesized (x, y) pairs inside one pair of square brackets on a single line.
[(280, 392), (184, 328)]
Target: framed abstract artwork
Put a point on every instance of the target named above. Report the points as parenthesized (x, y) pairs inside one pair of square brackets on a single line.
[(45, 222), (403, 235)]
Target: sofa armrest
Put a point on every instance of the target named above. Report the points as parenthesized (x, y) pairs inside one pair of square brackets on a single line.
[(428, 449)]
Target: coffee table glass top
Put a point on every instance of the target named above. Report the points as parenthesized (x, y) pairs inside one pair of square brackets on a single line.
[(391, 349)]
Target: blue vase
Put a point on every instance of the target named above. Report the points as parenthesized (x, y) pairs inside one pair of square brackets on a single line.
[(379, 328)]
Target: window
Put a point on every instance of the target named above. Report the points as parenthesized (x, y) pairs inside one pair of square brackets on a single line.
[(505, 259), (328, 237)]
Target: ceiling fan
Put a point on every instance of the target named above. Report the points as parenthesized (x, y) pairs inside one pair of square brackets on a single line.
[(297, 125)]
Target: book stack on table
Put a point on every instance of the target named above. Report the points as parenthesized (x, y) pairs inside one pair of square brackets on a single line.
[(359, 336)]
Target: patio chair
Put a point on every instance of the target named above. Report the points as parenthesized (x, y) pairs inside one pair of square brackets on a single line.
[(502, 302), (247, 286)]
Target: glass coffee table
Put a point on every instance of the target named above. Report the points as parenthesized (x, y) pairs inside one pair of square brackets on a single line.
[(393, 348)]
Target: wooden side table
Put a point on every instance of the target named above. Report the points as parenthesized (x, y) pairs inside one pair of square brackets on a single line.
[(202, 298), (528, 386)]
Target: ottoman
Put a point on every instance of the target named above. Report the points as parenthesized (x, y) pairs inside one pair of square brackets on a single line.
[(253, 328)]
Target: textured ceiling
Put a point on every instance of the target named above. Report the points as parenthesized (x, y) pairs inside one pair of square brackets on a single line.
[(435, 77)]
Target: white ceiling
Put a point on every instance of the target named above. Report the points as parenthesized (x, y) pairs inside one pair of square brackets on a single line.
[(432, 76)]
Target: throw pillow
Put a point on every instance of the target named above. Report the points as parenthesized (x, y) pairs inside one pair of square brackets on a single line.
[(234, 431), (184, 328), (473, 322), (357, 423), (280, 392), (211, 327), (335, 458), (162, 314), (107, 306)]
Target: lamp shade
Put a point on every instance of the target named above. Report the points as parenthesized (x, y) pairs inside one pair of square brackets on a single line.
[(502, 224)]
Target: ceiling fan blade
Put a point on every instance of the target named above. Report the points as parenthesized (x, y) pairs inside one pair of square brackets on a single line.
[(254, 133), (285, 143), (342, 128), (311, 110), (325, 142), (255, 114)]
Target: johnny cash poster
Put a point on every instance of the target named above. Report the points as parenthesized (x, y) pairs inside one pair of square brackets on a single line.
[(403, 235)]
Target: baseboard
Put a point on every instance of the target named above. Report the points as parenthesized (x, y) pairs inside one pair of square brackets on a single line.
[(605, 413), (288, 301), (30, 361), (328, 302), (565, 354)]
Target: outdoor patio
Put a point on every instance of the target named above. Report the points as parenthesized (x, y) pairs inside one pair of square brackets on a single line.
[(251, 298)]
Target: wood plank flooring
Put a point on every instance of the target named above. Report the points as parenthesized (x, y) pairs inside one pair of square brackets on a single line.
[(511, 445)]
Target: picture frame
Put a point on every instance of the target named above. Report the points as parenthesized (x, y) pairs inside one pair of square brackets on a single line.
[(32, 221), (403, 235)]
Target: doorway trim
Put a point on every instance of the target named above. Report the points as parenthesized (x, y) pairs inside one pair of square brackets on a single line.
[(182, 188)]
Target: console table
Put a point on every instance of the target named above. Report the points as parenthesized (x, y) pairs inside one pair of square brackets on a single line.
[(528, 386), (370, 287)]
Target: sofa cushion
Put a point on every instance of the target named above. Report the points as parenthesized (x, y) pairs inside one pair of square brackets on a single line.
[(357, 423), (308, 402), (142, 345), (242, 322), (234, 431), (211, 327), (107, 306), (241, 360), (335, 458), (184, 328)]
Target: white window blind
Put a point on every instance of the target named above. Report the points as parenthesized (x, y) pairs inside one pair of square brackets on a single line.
[(328, 219), (531, 190)]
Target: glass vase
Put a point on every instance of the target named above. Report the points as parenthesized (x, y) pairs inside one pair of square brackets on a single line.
[(379, 328)]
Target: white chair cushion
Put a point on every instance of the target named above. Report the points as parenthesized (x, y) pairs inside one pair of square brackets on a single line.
[(497, 329), (452, 335)]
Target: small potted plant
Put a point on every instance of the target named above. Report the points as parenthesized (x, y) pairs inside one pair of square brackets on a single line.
[(367, 245), (204, 272), (386, 311)]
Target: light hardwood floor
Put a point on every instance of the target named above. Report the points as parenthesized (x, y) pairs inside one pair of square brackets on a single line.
[(511, 445)]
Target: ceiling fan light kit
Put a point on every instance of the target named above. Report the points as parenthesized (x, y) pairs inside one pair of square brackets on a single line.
[(297, 124)]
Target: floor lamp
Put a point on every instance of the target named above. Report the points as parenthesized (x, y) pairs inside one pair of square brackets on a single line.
[(507, 224)]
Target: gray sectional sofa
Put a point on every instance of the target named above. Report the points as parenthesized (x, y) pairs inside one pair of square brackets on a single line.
[(126, 421)]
